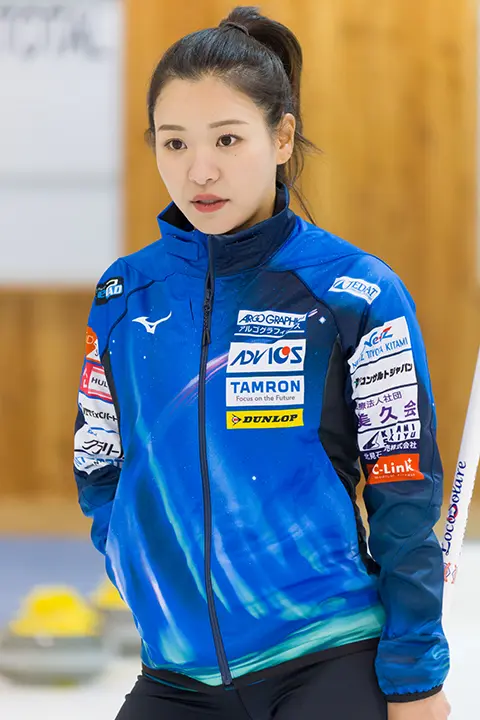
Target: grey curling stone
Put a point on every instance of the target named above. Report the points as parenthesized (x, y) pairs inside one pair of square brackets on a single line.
[(121, 633), (49, 660)]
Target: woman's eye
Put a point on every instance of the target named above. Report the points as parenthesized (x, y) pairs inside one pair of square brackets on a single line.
[(224, 141), (228, 137), (170, 144)]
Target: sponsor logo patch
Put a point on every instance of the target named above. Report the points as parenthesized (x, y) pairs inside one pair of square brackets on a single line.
[(98, 441), (398, 433), (284, 355), (91, 346), (398, 405), (270, 323), (384, 375), (456, 501), (95, 410), (94, 382), (271, 390), (247, 420), (387, 339), (394, 449), (112, 288), (395, 468), (356, 286), (88, 464)]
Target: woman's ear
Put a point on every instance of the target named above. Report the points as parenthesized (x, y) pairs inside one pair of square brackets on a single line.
[(285, 138)]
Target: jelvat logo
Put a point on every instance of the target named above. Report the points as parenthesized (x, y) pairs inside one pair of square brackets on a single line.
[(355, 286)]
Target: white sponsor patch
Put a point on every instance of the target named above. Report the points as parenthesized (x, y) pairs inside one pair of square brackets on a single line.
[(98, 412), (377, 439), (384, 374), (284, 355), (87, 463), (98, 442), (387, 339), (399, 405), (271, 390), (270, 323), (356, 286), (94, 383)]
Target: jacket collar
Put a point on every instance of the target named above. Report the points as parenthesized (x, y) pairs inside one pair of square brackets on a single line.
[(188, 249)]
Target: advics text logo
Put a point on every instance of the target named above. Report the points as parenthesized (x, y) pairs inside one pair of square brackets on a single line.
[(355, 286), (257, 357), (107, 291)]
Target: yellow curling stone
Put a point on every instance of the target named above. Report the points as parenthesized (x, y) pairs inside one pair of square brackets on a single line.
[(56, 638)]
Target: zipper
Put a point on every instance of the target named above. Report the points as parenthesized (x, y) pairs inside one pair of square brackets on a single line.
[(207, 504)]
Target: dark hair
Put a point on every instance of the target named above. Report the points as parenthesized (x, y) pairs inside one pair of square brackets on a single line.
[(257, 56)]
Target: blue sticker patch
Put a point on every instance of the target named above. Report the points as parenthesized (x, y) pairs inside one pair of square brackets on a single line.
[(355, 286), (109, 290)]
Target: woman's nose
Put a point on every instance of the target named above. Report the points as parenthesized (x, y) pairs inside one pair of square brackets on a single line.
[(203, 169)]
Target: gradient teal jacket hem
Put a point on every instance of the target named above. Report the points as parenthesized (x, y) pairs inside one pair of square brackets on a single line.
[(231, 389)]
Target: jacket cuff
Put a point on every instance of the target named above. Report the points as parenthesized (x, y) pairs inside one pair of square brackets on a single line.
[(411, 697)]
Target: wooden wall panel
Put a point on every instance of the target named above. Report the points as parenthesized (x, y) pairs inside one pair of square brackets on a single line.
[(42, 335)]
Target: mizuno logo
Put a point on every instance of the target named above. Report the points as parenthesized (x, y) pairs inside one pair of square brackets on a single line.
[(150, 327)]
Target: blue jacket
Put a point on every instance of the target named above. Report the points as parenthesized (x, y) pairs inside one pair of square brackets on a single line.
[(231, 388)]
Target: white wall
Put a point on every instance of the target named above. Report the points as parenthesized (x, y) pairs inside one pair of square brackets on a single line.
[(60, 139)]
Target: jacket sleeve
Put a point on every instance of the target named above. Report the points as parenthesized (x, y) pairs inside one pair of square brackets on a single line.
[(389, 387), (98, 453)]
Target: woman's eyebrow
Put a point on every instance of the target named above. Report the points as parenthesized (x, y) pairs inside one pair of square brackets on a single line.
[(220, 123)]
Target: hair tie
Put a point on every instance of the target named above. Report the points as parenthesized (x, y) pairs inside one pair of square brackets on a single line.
[(238, 26)]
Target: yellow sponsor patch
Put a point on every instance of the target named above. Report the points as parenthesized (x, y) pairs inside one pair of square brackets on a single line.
[(246, 420)]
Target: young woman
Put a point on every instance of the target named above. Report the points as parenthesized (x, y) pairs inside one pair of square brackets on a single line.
[(236, 372)]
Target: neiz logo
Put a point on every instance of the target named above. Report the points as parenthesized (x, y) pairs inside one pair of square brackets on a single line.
[(377, 336)]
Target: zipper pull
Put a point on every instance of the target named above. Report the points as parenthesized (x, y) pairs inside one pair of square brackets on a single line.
[(207, 312)]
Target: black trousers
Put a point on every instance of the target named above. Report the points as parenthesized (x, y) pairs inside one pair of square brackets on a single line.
[(343, 688)]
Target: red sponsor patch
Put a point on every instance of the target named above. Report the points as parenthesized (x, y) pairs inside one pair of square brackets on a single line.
[(91, 345), (94, 383), (395, 468)]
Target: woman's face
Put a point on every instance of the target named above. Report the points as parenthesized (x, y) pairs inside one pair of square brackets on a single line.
[(213, 140)]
